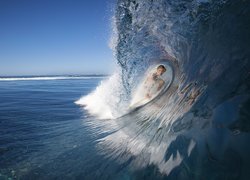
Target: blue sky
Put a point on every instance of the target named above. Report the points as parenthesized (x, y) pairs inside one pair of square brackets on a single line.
[(39, 37)]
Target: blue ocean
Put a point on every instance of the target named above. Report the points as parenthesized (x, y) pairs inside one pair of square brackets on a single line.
[(101, 127), (44, 133)]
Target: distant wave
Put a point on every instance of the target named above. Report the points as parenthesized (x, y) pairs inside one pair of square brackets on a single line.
[(36, 78)]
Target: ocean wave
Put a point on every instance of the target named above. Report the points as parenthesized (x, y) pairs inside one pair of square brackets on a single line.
[(206, 43)]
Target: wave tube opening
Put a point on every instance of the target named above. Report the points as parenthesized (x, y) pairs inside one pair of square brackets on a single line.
[(154, 89)]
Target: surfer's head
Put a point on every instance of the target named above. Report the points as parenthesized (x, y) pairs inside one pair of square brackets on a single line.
[(160, 70)]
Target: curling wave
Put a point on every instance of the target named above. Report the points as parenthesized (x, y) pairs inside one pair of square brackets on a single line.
[(199, 125)]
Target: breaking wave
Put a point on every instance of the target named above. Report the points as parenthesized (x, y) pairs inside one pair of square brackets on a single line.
[(198, 126)]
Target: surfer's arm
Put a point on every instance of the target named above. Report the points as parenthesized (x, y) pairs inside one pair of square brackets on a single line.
[(150, 79), (161, 83), (147, 88)]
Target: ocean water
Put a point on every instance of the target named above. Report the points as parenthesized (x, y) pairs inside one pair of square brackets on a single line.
[(197, 127), (43, 133)]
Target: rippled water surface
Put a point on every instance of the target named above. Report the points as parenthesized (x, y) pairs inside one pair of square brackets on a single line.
[(43, 132)]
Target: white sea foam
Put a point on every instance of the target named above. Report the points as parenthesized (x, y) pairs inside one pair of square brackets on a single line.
[(104, 101)]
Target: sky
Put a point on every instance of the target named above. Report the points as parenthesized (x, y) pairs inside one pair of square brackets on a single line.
[(49, 37)]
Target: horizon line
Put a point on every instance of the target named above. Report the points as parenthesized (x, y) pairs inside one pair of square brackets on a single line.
[(51, 75)]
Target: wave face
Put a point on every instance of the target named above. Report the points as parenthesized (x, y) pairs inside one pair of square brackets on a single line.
[(199, 127)]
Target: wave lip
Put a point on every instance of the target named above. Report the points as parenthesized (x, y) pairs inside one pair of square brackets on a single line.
[(37, 78)]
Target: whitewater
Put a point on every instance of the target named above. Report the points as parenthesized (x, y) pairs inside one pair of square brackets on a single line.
[(198, 125)]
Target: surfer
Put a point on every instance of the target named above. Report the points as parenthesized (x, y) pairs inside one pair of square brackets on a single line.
[(154, 82)]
